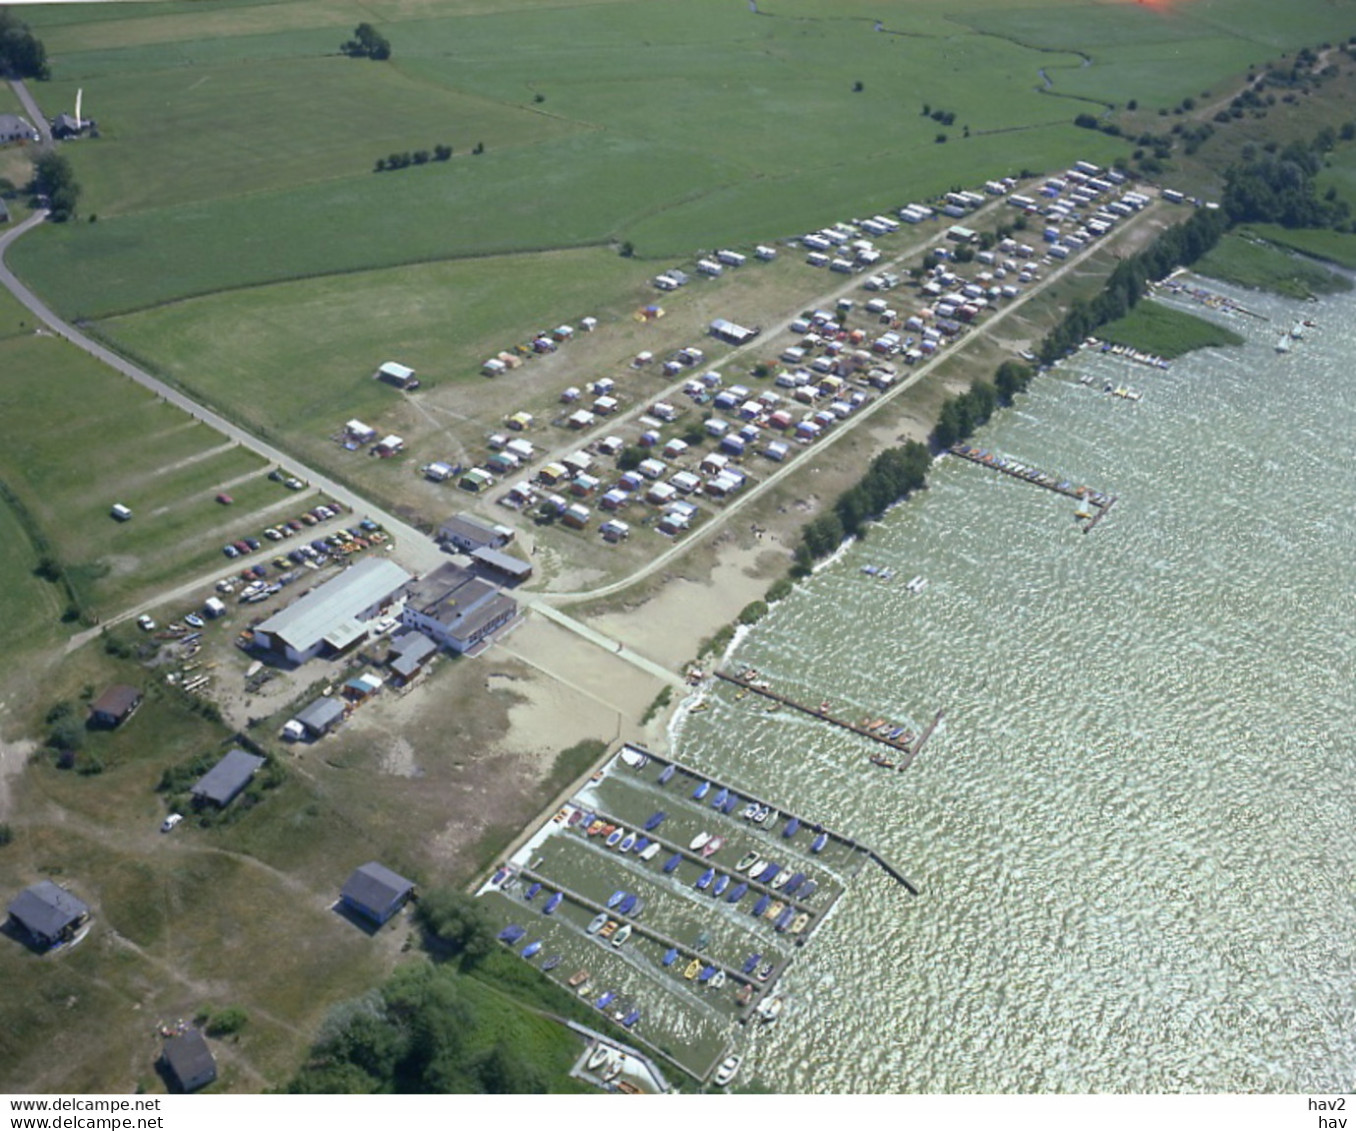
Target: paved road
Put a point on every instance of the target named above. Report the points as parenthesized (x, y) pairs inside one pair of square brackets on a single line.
[(35, 114)]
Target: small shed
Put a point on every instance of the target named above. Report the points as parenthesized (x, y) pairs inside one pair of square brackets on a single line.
[(359, 432), (224, 781), (189, 1060), (48, 914), (321, 716), (393, 373), (376, 892), (116, 705), (389, 446), (410, 651)]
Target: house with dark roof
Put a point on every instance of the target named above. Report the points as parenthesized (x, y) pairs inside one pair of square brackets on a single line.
[(189, 1061), (376, 892), (15, 127), (224, 781), (116, 705), (321, 716), (410, 652), (458, 610), (48, 914), (466, 532)]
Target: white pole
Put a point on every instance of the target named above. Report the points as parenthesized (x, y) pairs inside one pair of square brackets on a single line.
[(78, 95)]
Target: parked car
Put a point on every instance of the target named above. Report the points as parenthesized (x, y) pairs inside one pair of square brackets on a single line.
[(273, 535), (295, 484), (309, 519), (145, 623), (253, 543), (169, 822), (224, 499), (260, 570), (296, 556), (242, 547), (276, 475), (280, 562), (230, 551)]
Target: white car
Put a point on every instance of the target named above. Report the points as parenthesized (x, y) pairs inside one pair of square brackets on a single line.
[(170, 821), (145, 623)]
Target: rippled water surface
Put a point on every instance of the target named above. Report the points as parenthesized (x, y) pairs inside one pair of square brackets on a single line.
[(1135, 830)]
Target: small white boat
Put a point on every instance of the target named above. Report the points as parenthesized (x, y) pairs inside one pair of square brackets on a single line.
[(600, 1054), (717, 979), (701, 840), (651, 852), (622, 935), (727, 1071), (763, 814), (769, 1009)]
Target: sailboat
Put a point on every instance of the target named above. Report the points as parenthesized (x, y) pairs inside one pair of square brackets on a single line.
[(1283, 344)]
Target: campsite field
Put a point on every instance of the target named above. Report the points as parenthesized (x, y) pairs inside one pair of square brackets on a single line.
[(673, 127), (123, 445)]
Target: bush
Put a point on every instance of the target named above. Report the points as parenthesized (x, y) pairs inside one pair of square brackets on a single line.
[(753, 612), (225, 1022), (6, 834), (68, 733), (779, 590)]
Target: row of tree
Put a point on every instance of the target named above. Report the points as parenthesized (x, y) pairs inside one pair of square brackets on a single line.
[(893, 475), (22, 55), (417, 157)]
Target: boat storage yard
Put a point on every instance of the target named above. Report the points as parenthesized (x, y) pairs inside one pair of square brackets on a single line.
[(635, 892)]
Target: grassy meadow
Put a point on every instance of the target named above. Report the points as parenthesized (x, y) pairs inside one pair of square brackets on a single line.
[(1333, 247), (238, 146), (1253, 262), (1166, 331)]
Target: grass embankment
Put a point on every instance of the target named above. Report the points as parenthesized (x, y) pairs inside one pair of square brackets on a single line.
[(1162, 330), (1320, 243), (1250, 261)]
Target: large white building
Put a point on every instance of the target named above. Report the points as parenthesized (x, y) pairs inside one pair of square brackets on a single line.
[(457, 609), (335, 616)]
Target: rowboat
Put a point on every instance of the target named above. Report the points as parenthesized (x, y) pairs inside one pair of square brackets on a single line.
[(667, 775), (722, 882), (552, 962), (512, 933), (737, 893), (532, 890), (717, 979), (671, 864), (794, 883), (614, 838), (722, 796), (819, 842), (699, 841), (654, 820), (704, 880), (748, 862), (626, 843), (792, 827), (761, 905), (642, 843), (799, 923), (651, 852), (701, 791), (552, 903), (714, 845), (595, 826), (622, 935), (615, 898), (607, 830), (530, 950), (578, 978), (771, 913), (670, 956), (626, 905), (692, 968), (609, 929), (596, 923)]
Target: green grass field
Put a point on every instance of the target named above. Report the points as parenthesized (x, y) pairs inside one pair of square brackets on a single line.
[(1333, 247), (1251, 262), (1165, 331), (671, 126)]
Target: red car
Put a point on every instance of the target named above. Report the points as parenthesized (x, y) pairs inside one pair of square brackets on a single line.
[(225, 500)]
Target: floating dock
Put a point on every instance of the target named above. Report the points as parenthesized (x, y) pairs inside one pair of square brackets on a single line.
[(904, 742), (1098, 502)]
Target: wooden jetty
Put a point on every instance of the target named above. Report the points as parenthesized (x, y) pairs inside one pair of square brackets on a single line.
[(1099, 500), (820, 712)]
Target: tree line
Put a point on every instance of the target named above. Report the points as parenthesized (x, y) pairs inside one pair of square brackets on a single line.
[(22, 55), (367, 43)]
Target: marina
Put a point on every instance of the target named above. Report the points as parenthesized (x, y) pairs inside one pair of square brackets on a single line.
[(683, 936), (1093, 504)]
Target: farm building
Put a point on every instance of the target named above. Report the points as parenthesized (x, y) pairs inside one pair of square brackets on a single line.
[(466, 532), (457, 609), (320, 716), (189, 1060), (223, 783), (410, 652), (334, 616), (116, 705), (48, 914), (14, 127), (376, 892), (393, 373)]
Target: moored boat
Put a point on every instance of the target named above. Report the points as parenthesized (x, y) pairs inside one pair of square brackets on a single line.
[(532, 891), (808, 890), (652, 851), (638, 908), (722, 882), (596, 923), (768, 871), (745, 994), (605, 999), (512, 933), (576, 815), (670, 956), (692, 969), (750, 811), (578, 978), (792, 827), (585, 989), (622, 935), (598, 1057), (706, 973), (667, 775), (727, 1070), (784, 919), (553, 903), (626, 843), (748, 861), (671, 864), (654, 820), (819, 842), (627, 905), (764, 812), (764, 972), (552, 962), (793, 885), (630, 1019), (530, 950), (712, 846), (781, 879), (614, 838), (770, 1009), (722, 796), (704, 880), (772, 912), (642, 843), (717, 979), (699, 841), (731, 804), (609, 929), (761, 905), (751, 963), (615, 898), (737, 893), (799, 923), (701, 791)]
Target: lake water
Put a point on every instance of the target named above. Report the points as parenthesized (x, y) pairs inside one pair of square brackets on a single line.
[(1135, 831)]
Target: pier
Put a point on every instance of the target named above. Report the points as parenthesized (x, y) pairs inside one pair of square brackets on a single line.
[(873, 732), (1098, 501)]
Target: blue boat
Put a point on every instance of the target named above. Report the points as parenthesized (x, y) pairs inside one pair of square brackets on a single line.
[(764, 902), (552, 962), (722, 882), (585, 821), (631, 1018), (552, 903), (706, 972), (722, 796), (605, 1000), (671, 864), (532, 890), (511, 934), (704, 880), (654, 820), (671, 956), (701, 791), (809, 889), (615, 898), (784, 919), (641, 845), (499, 877), (792, 827), (530, 950), (667, 775), (819, 842), (731, 803), (737, 893), (751, 963), (793, 884), (768, 872)]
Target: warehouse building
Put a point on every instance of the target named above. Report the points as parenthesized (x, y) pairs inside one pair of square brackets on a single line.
[(334, 617)]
